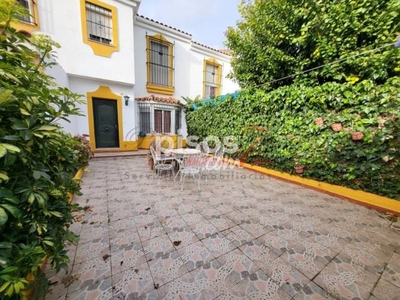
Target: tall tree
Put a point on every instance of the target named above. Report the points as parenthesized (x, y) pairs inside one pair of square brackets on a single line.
[(278, 38)]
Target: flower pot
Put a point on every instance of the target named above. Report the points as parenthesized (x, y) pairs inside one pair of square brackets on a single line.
[(319, 121), (357, 135), (299, 169), (336, 126)]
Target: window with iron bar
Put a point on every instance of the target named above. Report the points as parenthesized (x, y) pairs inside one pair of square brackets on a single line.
[(160, 69), (178, 123), (28, 6), (99, 24), (144, 118), (212, 78)]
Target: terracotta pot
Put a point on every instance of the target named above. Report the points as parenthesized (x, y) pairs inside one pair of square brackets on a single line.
[(319, 121), (299, 169), (357, 135), (336, 126)]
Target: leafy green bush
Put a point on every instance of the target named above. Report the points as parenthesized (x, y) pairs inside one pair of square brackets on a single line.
[(38, 160), (372, 164)]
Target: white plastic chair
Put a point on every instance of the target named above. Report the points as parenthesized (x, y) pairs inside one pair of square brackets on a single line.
[(160, 164)]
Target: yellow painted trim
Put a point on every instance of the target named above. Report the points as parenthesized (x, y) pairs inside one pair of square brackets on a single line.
[(213, 62), (78, 177), (377, 202), (160, 89), (103, 92), (29, 27), (97, 47), (144, 142), (129, 145)]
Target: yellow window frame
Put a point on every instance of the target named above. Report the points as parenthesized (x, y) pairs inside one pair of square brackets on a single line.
[(97, 47), (154, 88), (215, 63), (26, 26)]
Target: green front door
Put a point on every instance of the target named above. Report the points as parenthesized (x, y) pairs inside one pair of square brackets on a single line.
[(105, 116)]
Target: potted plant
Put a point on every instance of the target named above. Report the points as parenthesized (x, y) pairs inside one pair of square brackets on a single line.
[(357, 130), (319, 121), (337, 122)]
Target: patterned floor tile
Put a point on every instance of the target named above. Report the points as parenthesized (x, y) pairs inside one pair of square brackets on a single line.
[(222, 222), (90, 272), (182, 237), (180, 289), (212, 279), (308, 257), (146, 219), (237, 216), (288, 278), (120, 225), (167, 267), (258, 252), (150, 231), (255, 229), (238, 264), (218, 244), (258, 286), (195, 255), (343, 278), (97, 290), (392, 271), (313, 292), (238, 236), (126, 256), (132, 283), (93, 249), (203, 230), (224, 208), (157, 247), (308, 229), (210, 213), (192, 218), (371, 257), (384, 290), (173, 224)]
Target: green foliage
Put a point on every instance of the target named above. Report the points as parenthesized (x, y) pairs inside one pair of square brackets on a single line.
[(276, 39), (372, 164), (38, 160)]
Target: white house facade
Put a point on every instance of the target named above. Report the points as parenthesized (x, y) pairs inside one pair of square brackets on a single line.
[(132, 71)]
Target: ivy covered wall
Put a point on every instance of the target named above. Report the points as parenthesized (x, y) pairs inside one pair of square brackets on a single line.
[(293, 137)]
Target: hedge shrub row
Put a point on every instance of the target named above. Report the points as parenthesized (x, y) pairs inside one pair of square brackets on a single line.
[(292, 137)]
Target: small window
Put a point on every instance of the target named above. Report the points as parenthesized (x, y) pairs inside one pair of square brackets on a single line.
[(160, 69), (144, 118), (27, 16), (178, 123), (99, 24), (212, 79)]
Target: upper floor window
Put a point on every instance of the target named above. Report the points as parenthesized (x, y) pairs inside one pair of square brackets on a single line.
[(29, 20), (99, 23), (212, 79), (99, 26), (160, 69), (27, 17)]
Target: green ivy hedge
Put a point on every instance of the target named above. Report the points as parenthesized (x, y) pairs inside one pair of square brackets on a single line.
[(292, 137)]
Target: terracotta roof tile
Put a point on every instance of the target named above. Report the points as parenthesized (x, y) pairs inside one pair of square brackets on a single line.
[(143, 17), (226, 52), (170, 100)]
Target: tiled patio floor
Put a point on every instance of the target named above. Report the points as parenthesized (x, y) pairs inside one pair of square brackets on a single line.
[(242, 237)]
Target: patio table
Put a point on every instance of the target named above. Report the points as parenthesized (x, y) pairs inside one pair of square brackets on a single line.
[(180, 153)]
